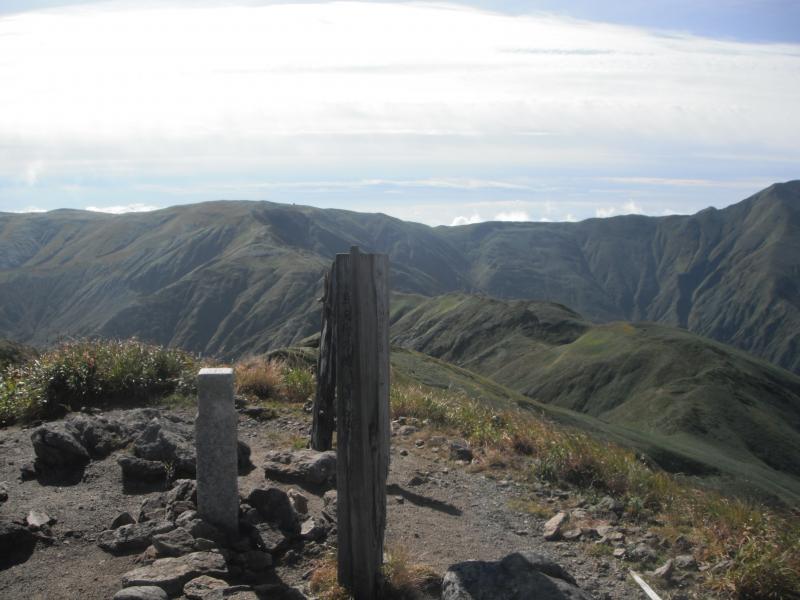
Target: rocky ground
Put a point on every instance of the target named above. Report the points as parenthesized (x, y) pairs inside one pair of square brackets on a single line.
[(64, 535)]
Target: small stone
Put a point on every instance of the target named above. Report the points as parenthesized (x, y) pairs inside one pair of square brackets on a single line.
[(399, 499), (311, 529), (199, 587), (417, 480), (3, 492), (141, 592), (142, 469), (459, 450), (305, 466), (403, 452), (407, 430), (37, 519), (552, 529), (572, 535), (269, 537), (123, 518), (619, 552), (419, 443), (641, 553), (686, 562), (299, 501), (174, 543)]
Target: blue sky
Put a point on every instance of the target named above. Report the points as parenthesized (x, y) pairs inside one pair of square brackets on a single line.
[(438, 113)]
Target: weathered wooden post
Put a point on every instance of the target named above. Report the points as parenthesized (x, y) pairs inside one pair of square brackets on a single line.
[(324, 409), (360, 290), (216, 446)]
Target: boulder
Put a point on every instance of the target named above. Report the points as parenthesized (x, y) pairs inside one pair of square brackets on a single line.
[(101, 436), (142, 469), (134, 537), (57, 445), (141, 592), (37, 519), (171, 574), (168, 442), (269, 538), (552, 529), (16, 543), (123, 518), (302, 466), (153, 508), (518, 576), (274, 506), (182, 490)]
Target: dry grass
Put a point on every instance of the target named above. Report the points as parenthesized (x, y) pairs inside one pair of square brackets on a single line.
[(260, 378), (762, 543)]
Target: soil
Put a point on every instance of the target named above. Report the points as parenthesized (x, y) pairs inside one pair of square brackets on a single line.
[(439, 512)]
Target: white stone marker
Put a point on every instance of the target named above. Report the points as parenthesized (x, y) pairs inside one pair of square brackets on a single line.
[(215, 442)]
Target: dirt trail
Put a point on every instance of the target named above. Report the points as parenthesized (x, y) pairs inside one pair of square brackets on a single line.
[(438, 511)]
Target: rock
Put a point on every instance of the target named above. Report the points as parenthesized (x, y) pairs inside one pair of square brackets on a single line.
[(37, 519), (178, 508), (269, 538), (16, 543), (142, 469), (197, 588), (57, 445), (609, 504), (329, 506), (198, 528), (123, 518), (641, 553), (183, 490), (417, 480), (459, 450), (437, 441), (665, 570), (153, 508), (302, 466), (572, 535), (27, 472), (619, 553), (101, 436), (312, 529), (186, 517), (259, 413), (274, 506), (552, 529), (3, 492), (517, 576), (257, 560), (174, 543), (171, 574), (128, 538), (169, 443), (299, 501), (236, 592), (243, 456), (141, 592), (686, 562), (407, 430)]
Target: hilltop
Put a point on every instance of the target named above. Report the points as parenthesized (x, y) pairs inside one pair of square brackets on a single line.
[(228, 277)]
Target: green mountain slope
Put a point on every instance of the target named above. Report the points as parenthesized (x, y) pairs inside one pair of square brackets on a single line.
[(229, 277), (694, 404)]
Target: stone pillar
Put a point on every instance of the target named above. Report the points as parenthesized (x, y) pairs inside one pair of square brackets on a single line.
[(216, 445)]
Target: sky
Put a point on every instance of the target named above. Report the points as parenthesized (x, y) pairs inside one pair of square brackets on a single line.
[(440, 113)]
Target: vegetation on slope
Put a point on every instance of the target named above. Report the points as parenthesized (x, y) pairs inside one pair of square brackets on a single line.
[(225, 278), (693, 405)]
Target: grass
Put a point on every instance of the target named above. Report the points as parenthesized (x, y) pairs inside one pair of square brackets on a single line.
[(94, 373), (762, 543), (263, 378)]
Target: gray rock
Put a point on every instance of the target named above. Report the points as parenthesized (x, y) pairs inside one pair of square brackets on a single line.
[(37, 519), (153, 508), (303, 466), (460, 450), (134, 537), (665, 570), (57, 445), (552, 529), (141, 592), (182, 490), (329, 506), (641, 553), (299, 501), (101, 436), (269, 538), (609, 504), (686, 562), (197, 588), (171, 574), (236, 592), (518, 576), (257, 560), (123, 518), (3, 492), (243, 456), (142, 469), (274, 506), (198, 528), (312, 529), (168, 442), (174, 543)]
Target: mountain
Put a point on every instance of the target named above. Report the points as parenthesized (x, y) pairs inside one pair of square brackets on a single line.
[(692, 404), (234, 277)]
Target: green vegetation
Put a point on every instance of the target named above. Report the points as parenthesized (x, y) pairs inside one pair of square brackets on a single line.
[(94, 374), (12, 353), (274, 377), (763, 543), (692, 405)]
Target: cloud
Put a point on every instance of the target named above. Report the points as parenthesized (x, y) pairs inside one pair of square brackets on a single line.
[(118, 210), (30, 209), (514, 215), (628, 208), (475, 218)]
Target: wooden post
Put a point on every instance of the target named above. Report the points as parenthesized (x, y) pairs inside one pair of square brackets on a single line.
[(324, 410), (361, 340)]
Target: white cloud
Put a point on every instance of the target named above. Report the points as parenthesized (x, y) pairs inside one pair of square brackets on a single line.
[(631, 208), (570, 218), (120, 209), (475, 218), (604, 212), (30, 209), (513, 215)]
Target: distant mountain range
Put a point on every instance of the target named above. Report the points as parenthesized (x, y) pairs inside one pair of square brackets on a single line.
[(235, 277)]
